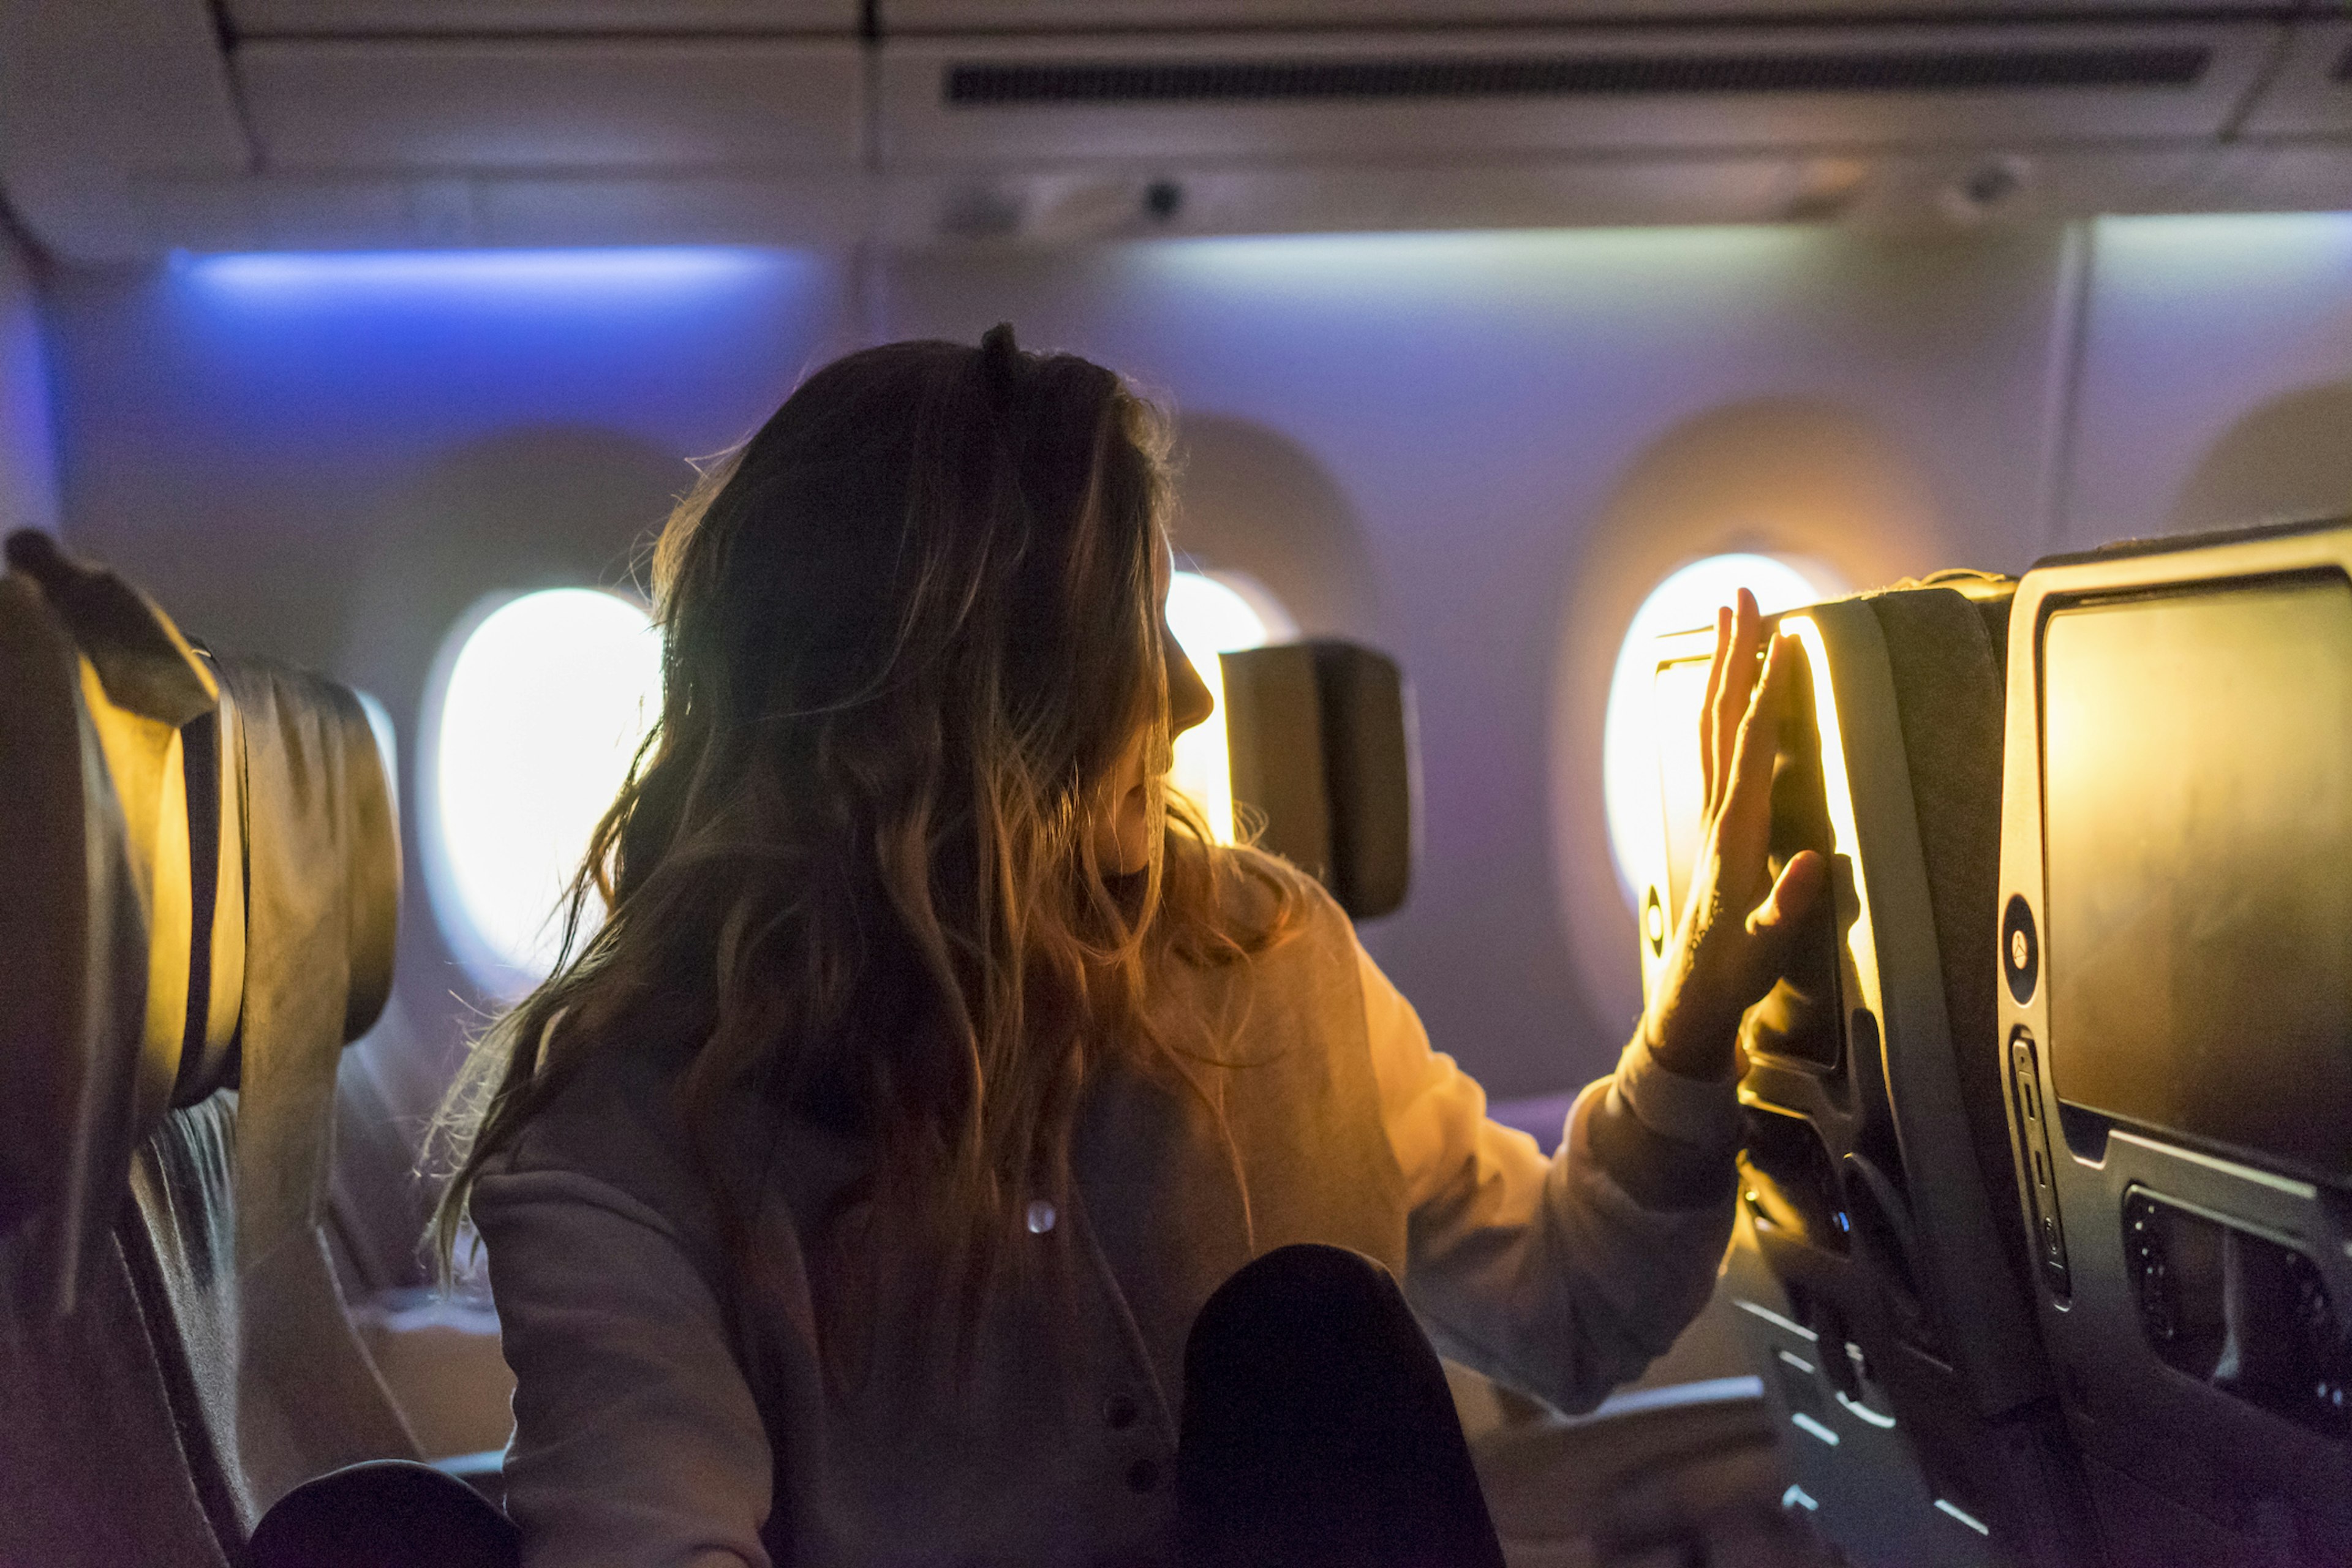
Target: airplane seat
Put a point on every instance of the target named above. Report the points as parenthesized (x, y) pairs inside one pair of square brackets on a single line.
[(1947, 653), (205, 881), (102, 1460), (322, 890), (2175, 1003), (1882, 1299)]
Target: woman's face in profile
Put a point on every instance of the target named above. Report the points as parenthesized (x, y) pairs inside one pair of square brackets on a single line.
[(1124, 843)]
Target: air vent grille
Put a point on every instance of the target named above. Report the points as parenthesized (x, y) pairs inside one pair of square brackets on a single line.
[(1012, 83)]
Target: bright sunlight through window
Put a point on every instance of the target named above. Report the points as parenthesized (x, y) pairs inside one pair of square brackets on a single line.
[(1211, 615), (1687, 598), (541, 701)]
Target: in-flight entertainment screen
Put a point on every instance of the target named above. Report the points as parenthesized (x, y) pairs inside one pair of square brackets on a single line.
[(2197, 821)]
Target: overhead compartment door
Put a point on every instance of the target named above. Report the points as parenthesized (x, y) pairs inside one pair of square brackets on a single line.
[(1262, 98), (317, 18), (476, 104), (2311, 95), (1130, 16)]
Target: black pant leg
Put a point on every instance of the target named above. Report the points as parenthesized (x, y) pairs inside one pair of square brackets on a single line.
[(387, 1513), (1318, 1427)]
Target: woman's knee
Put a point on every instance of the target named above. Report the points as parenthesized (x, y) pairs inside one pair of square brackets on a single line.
[(385, 1514)]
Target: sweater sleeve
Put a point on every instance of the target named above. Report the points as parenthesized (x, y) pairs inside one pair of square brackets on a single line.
[(636, 1439), (1563, 1277)]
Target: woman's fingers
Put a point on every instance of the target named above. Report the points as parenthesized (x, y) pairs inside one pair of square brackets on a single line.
[(1743, 828), (1720, 966), (1708, 722), (1773, 925), (1801, 882), (1734, 691)]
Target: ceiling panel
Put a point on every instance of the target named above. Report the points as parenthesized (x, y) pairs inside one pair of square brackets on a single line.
[(332, 18), (2312, 93), (92, 96), (490, 104), (1264, 98)]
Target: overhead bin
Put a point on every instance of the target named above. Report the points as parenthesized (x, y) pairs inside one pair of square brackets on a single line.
[(2312, 93), (330, 18), (1131, 16), (1267, 97), (546, 105), (439, 211), (92, 97), (132, 128)]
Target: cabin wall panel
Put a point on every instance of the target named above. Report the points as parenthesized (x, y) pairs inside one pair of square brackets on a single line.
[(2215, 384), (330, 470), (1476, 400), (1448, 445), (28, 488)]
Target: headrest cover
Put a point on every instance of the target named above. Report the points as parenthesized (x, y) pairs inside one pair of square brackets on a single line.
[(322, 898), (95, 688), (1322, 753), (318, 814)]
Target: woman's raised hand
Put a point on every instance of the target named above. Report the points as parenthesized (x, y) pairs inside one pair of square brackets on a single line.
[(1732, 941)]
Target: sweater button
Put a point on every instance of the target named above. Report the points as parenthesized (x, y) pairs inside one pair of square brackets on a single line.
[(1120, 1412), (1143, 1474)]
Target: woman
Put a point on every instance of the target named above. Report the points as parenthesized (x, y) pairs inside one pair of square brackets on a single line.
[(850, 1196)]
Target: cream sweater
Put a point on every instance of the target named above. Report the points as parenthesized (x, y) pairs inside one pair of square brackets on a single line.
[(655, 1427)]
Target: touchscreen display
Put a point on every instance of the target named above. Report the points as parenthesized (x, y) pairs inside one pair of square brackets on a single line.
[(2197, 778), (1800, 1017)]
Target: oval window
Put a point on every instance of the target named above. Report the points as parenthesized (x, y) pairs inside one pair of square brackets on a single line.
[(1687, 597), (538, 703)]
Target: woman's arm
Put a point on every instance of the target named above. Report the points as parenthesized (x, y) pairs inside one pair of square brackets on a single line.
[(635, 1439), (1569, 1276)]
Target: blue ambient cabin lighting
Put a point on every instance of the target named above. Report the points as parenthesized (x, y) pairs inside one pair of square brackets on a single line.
[(376, 362), (476, 271)]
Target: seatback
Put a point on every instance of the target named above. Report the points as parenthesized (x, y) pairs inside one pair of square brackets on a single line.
[(96, 1465), (1876, 1264), (2175, 1009), (210, 882)]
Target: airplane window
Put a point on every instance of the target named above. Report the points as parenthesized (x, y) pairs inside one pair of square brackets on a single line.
[(1687, 597), (1213, 615), (538, 705)]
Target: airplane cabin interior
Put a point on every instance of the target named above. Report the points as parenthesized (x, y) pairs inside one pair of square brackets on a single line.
[(353, 354)]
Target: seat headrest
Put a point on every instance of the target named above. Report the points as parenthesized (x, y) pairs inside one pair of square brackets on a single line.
[(204, 887), (98, 697), (322, 842), (1323, 750)]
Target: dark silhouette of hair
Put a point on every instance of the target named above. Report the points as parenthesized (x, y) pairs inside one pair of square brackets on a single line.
[(909, 629)]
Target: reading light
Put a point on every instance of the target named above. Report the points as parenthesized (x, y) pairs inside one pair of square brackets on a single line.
[(1211, 615), (537, 705), (1687, 597)]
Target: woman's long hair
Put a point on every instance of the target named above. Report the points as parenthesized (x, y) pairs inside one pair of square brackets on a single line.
[(852, 880)]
